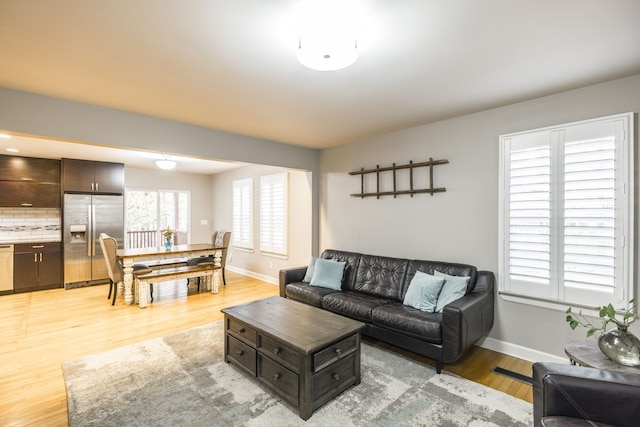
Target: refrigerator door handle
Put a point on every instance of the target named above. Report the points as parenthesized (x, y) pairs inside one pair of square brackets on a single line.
[(89, 230), (93, 229)]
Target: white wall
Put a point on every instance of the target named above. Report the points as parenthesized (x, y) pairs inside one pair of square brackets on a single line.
[(462, 223), (198, 185), (254, 263), (49, 117)]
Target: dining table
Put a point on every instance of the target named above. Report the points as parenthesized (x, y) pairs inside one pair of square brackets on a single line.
[(129, 257)]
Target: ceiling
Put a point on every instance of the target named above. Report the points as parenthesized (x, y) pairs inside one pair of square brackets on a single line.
[(231, 64)]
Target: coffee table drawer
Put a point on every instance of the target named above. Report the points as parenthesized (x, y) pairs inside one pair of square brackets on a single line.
[(278, 377), (279, 352), (335, 378), (335, 352), (242, 330), (241, 354)]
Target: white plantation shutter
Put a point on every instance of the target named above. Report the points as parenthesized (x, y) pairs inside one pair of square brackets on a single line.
[(242, 213), (273, 213), (567, 213), (530, 219)]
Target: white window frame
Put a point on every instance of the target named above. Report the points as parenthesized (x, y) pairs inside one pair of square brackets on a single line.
[(242, 213), (162, 221), (558, 292), (274, 208)]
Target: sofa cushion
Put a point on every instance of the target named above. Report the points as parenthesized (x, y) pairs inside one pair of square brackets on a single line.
[(423, 292), (452, 269), (306, 293), (351, 259), (381, 276), (410, 321), (328, 273), (355, 305), (310, 268), (454, 288)]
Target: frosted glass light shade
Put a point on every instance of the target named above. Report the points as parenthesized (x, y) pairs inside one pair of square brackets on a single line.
[(327, 52), (166, 164)]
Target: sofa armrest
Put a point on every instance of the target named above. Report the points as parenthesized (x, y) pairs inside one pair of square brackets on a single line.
[(469, 318), (585, 393), (290, 275)]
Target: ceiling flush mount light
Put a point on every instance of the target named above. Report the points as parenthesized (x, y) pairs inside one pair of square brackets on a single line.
[(166, 164), (327, 38), (327, 52)]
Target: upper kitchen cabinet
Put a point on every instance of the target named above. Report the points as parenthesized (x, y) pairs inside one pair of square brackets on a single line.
[(29, 182), (87, 176)]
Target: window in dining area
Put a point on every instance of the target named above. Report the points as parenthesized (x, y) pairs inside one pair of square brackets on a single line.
[(274, 195), (242, 229), (148, 212)]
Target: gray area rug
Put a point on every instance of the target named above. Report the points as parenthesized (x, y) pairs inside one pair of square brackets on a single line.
[(182, 380)]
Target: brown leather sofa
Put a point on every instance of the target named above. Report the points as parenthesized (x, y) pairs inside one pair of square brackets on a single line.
[(373, 290), (575, 396)]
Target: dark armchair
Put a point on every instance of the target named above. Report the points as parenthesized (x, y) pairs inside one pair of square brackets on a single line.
[(567, 395)]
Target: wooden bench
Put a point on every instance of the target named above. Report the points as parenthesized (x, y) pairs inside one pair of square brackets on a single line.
[(170, 274), (166, 263)]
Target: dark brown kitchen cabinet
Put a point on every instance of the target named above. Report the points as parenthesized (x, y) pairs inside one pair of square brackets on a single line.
[(29, 182), (37, 266), (29, 194), (87, 176), (29, 169)]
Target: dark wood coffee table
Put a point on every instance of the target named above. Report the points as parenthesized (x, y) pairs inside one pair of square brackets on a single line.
[(305, 354)]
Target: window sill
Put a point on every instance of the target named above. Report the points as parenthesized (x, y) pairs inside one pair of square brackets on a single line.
[(548, 304)]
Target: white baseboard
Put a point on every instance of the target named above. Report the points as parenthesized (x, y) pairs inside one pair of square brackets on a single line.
[(268, 279), (520, 351)]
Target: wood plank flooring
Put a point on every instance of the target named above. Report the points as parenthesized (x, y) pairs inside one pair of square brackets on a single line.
[(40, 330)]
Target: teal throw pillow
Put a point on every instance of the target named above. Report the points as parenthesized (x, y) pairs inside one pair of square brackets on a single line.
[(455, 287), (328, 274), (309, 274), (423, 291)]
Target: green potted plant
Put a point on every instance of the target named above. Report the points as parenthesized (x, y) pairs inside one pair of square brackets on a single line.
[(618, 344)]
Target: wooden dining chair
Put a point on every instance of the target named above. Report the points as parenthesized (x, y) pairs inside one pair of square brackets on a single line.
[(109, 247)]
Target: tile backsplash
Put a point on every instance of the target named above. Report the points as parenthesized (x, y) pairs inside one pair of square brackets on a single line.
[(30, 224)]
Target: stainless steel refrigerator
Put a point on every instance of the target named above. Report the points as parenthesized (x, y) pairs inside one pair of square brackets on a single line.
[(85, 216)]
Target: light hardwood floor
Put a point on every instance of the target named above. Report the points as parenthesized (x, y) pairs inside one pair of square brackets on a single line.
[(40, 330)]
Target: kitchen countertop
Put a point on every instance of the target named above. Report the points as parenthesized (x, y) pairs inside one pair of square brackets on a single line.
[(15, 242)]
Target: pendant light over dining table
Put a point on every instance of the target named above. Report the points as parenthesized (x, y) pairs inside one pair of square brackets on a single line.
[(327, 37)]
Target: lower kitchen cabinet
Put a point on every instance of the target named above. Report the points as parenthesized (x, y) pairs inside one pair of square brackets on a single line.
[(37, 266)]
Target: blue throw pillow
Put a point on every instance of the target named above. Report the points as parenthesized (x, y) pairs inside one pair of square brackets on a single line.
[(455, 287), (309, 274), (423, 291), (328, 274)]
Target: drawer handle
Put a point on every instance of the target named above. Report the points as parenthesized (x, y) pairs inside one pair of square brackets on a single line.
[(335, 377), (276, 377), (242, 330), (240, 352), (26, 205), (338, 351), (276, 350)]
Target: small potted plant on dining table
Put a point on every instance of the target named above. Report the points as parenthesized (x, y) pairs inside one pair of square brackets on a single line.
[(618, 344), (167, 233)]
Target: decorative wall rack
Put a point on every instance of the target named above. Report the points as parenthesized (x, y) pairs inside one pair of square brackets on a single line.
[(411, 191)]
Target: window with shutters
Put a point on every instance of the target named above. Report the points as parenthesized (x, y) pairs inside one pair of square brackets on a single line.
[(274, 194), (566, 213), (242, 230)]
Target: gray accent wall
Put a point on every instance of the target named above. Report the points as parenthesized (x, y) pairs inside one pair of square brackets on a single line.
[(461, 224)]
